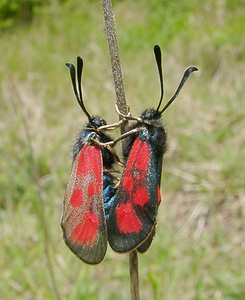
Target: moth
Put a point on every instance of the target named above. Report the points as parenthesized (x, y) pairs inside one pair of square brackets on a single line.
[(132, 217), (90, 189)]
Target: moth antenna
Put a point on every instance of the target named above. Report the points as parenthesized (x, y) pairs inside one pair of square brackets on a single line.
[(79, 78), (158, 57), (185, 76)]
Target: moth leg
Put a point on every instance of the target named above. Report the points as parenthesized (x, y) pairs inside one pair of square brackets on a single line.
[(126, 134), (112, 170), (108, 146), (114, 125), (128, 116), (117, 184), (113, 152), (111, 126), (114, 142)]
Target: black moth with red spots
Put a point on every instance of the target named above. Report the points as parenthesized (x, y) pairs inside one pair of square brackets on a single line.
[(90, 189), (132, 217)]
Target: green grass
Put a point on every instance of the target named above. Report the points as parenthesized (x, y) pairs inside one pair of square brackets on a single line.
[(198, 251)]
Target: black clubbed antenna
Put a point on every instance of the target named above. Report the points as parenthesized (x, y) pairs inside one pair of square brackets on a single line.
[(185, 76), (79, 78), (158, 57)]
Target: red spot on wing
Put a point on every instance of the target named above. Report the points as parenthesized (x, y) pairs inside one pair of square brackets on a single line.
[(93, 189), (139, 156), (127, 220), (140, 196), (76, 198), (158, 194), (97, 162), (134, 179), (128, 182), (89, 156), (86, 231), (82, 168), (133, 153), (88, 175), (142, 161)]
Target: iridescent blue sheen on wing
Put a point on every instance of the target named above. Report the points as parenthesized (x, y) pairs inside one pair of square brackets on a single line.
[(108, 192)]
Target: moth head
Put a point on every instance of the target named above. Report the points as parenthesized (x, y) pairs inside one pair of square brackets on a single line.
[(96, 122), (150, 114)]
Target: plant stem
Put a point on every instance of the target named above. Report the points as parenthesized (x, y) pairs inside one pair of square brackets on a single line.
[(110, 29), (114, 56), (134, 276)]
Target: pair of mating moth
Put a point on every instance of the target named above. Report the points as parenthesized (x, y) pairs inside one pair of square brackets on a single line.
[(96, 207)]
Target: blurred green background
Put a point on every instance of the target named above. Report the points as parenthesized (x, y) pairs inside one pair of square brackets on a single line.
[(198, 251)]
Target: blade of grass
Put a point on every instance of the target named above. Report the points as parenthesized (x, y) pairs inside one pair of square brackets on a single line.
[(41, 213)]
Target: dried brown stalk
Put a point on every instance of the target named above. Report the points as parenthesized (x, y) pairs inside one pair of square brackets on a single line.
[(110, 29)]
